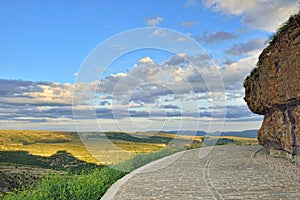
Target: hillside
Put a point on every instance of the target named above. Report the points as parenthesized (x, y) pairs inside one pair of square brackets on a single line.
[(244, 134)]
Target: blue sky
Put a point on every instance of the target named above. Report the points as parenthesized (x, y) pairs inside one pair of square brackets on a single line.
[(44, 43)]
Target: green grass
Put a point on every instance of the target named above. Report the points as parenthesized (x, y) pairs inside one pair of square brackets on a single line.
[(85, 186), (60, 187)]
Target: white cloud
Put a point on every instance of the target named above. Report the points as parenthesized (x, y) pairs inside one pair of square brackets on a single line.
[(155, 21), (159, 33), (119, 75), (35, 93), (180, 39), (190, 3), (235, 73), (146, 60), (148, 86), (258, 14), (150, 83)]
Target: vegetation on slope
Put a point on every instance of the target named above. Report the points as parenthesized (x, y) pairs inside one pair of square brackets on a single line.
[(284, 27), (85, 186), (96, 179)]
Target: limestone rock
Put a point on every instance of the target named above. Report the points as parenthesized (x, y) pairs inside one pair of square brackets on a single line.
[(273, 90)]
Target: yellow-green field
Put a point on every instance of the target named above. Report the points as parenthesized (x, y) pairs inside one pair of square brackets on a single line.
[(122, 147), (47, 143), (107, 148), (240, 140), (23, 153)]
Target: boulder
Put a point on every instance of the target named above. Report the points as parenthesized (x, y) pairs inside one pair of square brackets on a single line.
[(273, 89)]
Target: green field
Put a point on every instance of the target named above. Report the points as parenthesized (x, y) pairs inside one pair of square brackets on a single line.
[(59, 166), (106, 148), (122, 147)]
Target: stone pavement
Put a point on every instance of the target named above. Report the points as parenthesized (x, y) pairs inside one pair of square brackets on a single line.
[(227, 172)]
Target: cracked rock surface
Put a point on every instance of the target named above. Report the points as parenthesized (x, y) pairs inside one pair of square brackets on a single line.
[(273, 90)]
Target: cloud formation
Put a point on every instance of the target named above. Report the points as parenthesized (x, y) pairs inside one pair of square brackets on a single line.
[(246, 47), (146, 60), (232, 112), (35, 93), (266, 15), (42, 100), (149, 81), (176, 78), (190, 3), (215, 37), (233, 74), (155, 21), (173, 88)]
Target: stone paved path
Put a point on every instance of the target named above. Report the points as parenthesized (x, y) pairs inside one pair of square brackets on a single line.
[(227, 172)]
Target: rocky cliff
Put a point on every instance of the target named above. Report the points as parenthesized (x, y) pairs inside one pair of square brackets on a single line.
[(273, 89)]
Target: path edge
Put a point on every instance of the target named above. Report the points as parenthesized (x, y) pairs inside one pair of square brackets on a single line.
[(114, 188)]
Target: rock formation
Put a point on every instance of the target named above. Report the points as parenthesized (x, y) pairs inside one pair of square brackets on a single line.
[(273, 89)]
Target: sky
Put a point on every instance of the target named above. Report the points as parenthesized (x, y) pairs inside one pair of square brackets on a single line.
[(190, 79)]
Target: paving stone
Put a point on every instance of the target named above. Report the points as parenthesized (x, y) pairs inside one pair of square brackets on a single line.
[(227, 172)]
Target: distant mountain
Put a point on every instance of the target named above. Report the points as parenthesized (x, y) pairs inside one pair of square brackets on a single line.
[(197, 133), (246, 133)]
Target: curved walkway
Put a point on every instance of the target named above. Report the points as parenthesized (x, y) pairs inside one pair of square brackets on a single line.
[(227, 172)]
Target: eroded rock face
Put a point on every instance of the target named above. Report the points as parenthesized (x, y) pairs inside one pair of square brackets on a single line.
[(273, 90)]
